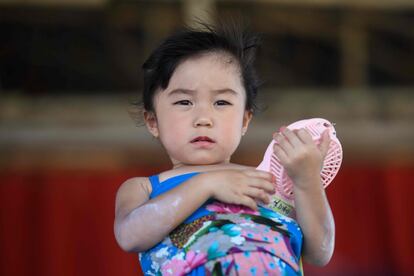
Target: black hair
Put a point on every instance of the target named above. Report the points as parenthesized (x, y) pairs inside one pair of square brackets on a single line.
[(239, 43)]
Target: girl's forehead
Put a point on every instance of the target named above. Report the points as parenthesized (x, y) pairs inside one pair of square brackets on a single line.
[(216, 59), (211, 69)]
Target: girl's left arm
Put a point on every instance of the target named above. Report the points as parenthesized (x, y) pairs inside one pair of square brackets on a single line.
[(314, 215), (303, 160)]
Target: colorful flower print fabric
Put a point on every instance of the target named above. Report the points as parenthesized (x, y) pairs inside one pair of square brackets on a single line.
[(228, 240)]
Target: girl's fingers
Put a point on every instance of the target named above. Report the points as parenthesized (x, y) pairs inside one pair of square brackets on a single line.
[(292, 137), (283, 141), (249, 202), (258, 194), (304, 136), (324, 145), (259, 174), (262, 184), (280, 153)]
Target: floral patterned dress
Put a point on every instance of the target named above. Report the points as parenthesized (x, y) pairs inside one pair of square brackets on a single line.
[(225, 239)]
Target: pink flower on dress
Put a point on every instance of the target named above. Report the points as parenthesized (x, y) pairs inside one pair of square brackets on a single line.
[(173, 267), (221, 207), (182, 267)]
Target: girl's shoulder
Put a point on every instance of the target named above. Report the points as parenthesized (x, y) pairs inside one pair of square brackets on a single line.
[(141, 181), (135, 186)]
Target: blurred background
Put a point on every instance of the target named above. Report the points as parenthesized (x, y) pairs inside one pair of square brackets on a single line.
[(69, 70)]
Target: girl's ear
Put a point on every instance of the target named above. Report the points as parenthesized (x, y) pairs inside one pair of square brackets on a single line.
[(151, 123), (247, 117)]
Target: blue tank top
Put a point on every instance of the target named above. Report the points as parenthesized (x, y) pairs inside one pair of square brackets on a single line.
[(217, 233)]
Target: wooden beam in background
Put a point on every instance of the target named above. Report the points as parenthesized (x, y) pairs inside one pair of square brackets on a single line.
[(198, 10), (354, 47)]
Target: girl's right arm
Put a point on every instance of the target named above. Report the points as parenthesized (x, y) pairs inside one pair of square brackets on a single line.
[(141, 223)]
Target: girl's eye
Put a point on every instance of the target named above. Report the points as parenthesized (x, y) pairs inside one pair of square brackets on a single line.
[(183, 102), (221, 102)]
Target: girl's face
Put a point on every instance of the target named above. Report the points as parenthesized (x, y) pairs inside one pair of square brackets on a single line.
[(200, 117)]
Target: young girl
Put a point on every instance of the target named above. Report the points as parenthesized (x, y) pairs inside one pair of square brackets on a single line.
[(204, 216)]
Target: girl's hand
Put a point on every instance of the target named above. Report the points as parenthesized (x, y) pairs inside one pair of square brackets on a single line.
[(244, 187), (299, 154)]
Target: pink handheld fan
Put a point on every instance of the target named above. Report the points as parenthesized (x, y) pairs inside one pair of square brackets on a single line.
[(284, 197)]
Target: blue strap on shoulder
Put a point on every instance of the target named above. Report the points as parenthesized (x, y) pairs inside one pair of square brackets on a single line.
[(159, 188), (155, 183)]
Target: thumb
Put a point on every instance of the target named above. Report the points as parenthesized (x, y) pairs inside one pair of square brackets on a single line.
[(325, 141)]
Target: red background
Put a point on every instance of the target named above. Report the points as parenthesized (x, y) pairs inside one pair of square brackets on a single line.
[(60, 222)]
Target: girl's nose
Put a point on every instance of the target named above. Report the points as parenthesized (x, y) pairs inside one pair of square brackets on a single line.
[(203, 115), (203, 121)]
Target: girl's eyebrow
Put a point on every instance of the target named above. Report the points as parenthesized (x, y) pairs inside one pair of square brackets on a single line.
[(226, 91), (190, 92), (180, 91)]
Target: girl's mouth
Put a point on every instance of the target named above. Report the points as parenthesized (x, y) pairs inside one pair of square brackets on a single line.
[(202, 139), (203, 142)]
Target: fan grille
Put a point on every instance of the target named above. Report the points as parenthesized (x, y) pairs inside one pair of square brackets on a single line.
[(331, 164)]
